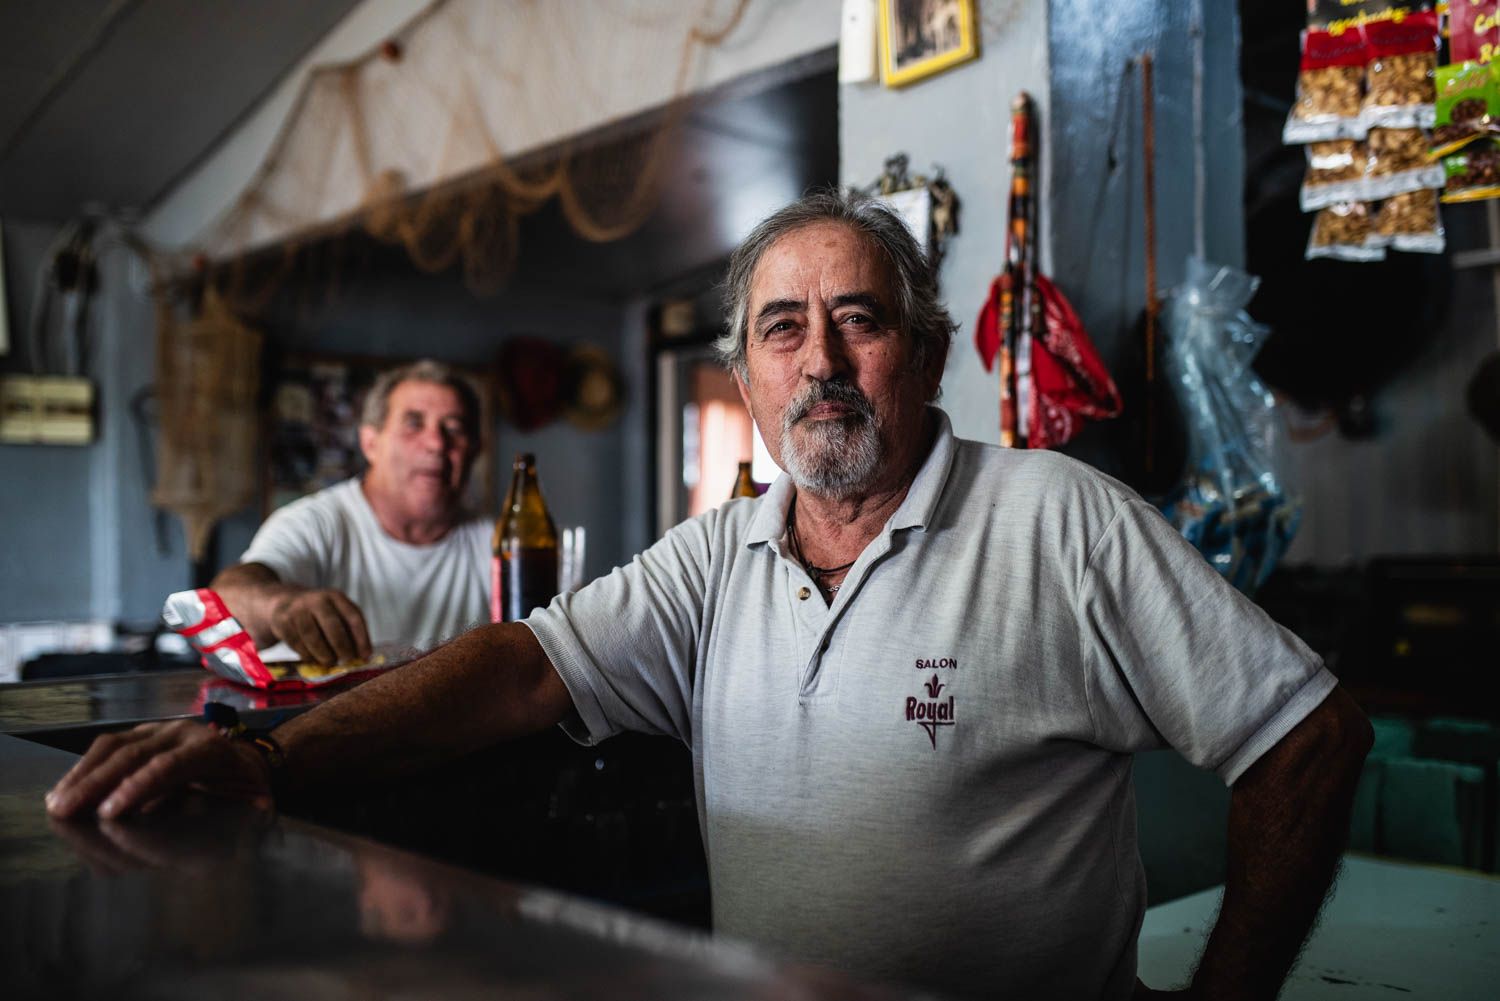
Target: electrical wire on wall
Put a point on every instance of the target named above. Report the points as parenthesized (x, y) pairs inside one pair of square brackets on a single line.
[(60, 337)]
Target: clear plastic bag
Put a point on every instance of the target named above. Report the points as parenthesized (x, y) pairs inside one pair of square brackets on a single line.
[(1232, 504)]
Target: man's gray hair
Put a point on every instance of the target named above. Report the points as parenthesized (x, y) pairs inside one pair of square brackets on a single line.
[(378, 400), (919, 311)]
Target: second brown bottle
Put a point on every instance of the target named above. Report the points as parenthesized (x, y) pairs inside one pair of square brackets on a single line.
[(523, 574)]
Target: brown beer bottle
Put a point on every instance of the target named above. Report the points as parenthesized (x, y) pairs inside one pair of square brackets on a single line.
[(523, 573), (744, 486)]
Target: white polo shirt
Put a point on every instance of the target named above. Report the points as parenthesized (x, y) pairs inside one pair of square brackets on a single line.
[(929, 781)]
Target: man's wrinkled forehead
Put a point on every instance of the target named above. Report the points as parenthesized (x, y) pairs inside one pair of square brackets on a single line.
[(421, 396), (834, 251)]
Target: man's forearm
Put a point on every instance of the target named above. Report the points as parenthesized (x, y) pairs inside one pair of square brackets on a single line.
[(251, 591), (490, 684), (1288, 824)]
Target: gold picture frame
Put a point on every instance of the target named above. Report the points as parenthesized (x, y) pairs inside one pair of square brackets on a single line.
[(921, 37)]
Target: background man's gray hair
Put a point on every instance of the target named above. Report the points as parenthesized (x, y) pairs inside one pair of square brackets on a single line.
[(919, 311), (378, 399)]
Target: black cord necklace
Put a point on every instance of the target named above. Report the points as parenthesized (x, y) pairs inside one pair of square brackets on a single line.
[(817, 573)]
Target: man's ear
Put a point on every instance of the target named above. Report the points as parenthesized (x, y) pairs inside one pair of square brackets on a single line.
[(936, 363), (739, 383), (367, 436)]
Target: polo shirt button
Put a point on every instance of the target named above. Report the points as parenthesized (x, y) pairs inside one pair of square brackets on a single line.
[(804, 593)]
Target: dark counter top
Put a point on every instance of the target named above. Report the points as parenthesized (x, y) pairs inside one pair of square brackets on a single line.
[(69, 712), (617, 823), (215, 900)]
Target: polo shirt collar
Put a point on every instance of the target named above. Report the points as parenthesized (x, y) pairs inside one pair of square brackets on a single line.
[(916, 511)]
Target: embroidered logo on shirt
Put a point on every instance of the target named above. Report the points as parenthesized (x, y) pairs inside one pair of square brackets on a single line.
[(933, 711)]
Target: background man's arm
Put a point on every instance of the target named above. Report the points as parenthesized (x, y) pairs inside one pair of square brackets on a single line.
[(490, 684), (1288, 825), (321, 624)]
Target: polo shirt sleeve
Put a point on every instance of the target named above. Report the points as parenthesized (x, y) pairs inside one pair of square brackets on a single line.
[(1174, 655), (625, 645), (294, 543)]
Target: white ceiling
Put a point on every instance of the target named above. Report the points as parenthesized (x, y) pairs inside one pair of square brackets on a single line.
[(112, 101)]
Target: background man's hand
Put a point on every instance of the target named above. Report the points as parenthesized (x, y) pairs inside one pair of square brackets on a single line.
[(137, 769), (323, 626)]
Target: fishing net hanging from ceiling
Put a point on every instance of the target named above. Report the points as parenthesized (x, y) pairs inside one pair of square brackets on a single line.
[(467, 119)]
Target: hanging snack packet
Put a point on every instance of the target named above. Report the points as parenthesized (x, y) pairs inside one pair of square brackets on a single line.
[(1473, 31), (1344, 232), (1465, 110), (1397, 162), (1328, 88), (1342, 15), (1400, 91), (1335, 173), (1473, 173), (1410, 222)]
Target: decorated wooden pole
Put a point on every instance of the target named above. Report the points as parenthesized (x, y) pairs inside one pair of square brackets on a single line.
[(1018, 300)]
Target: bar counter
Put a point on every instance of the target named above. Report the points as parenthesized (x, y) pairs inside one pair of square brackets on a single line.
[(616, 822), (70, 712), (216, 900), (1390, 930)]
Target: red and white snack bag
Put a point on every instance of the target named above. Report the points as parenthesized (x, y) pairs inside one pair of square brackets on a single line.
[(1473, 30), (1328, 88), (1400, 81), (227, 650)]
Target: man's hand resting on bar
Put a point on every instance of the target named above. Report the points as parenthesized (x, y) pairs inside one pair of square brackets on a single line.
[(137, 769)]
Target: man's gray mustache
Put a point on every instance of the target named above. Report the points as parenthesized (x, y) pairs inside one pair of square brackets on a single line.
[(830, 392)]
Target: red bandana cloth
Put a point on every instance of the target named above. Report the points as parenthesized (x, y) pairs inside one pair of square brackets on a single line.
[(1069, 382)]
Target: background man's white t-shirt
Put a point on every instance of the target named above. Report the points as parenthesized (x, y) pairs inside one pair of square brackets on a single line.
[(410, 595)]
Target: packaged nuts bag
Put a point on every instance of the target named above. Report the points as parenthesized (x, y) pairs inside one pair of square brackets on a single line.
[(1400, 85), (1410, 222), (1345, 232), (1335, 173), (1328, 88), (1397, 162), (1466, 99), (1473, 173)]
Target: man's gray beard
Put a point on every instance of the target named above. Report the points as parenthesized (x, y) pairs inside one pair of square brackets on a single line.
[(841, 456)]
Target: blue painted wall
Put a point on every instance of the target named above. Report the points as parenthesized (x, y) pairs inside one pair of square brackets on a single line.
[(76, 526), (1094, 229), (77, 531), (1071, 55)]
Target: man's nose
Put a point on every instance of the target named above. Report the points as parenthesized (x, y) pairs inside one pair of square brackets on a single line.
[(823, 354)]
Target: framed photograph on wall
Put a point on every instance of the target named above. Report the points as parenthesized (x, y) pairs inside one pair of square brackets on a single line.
[(312, 427), (921, 37)]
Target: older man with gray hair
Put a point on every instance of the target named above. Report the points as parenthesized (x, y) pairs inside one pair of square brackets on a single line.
[(388, 557), (911, 675)]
